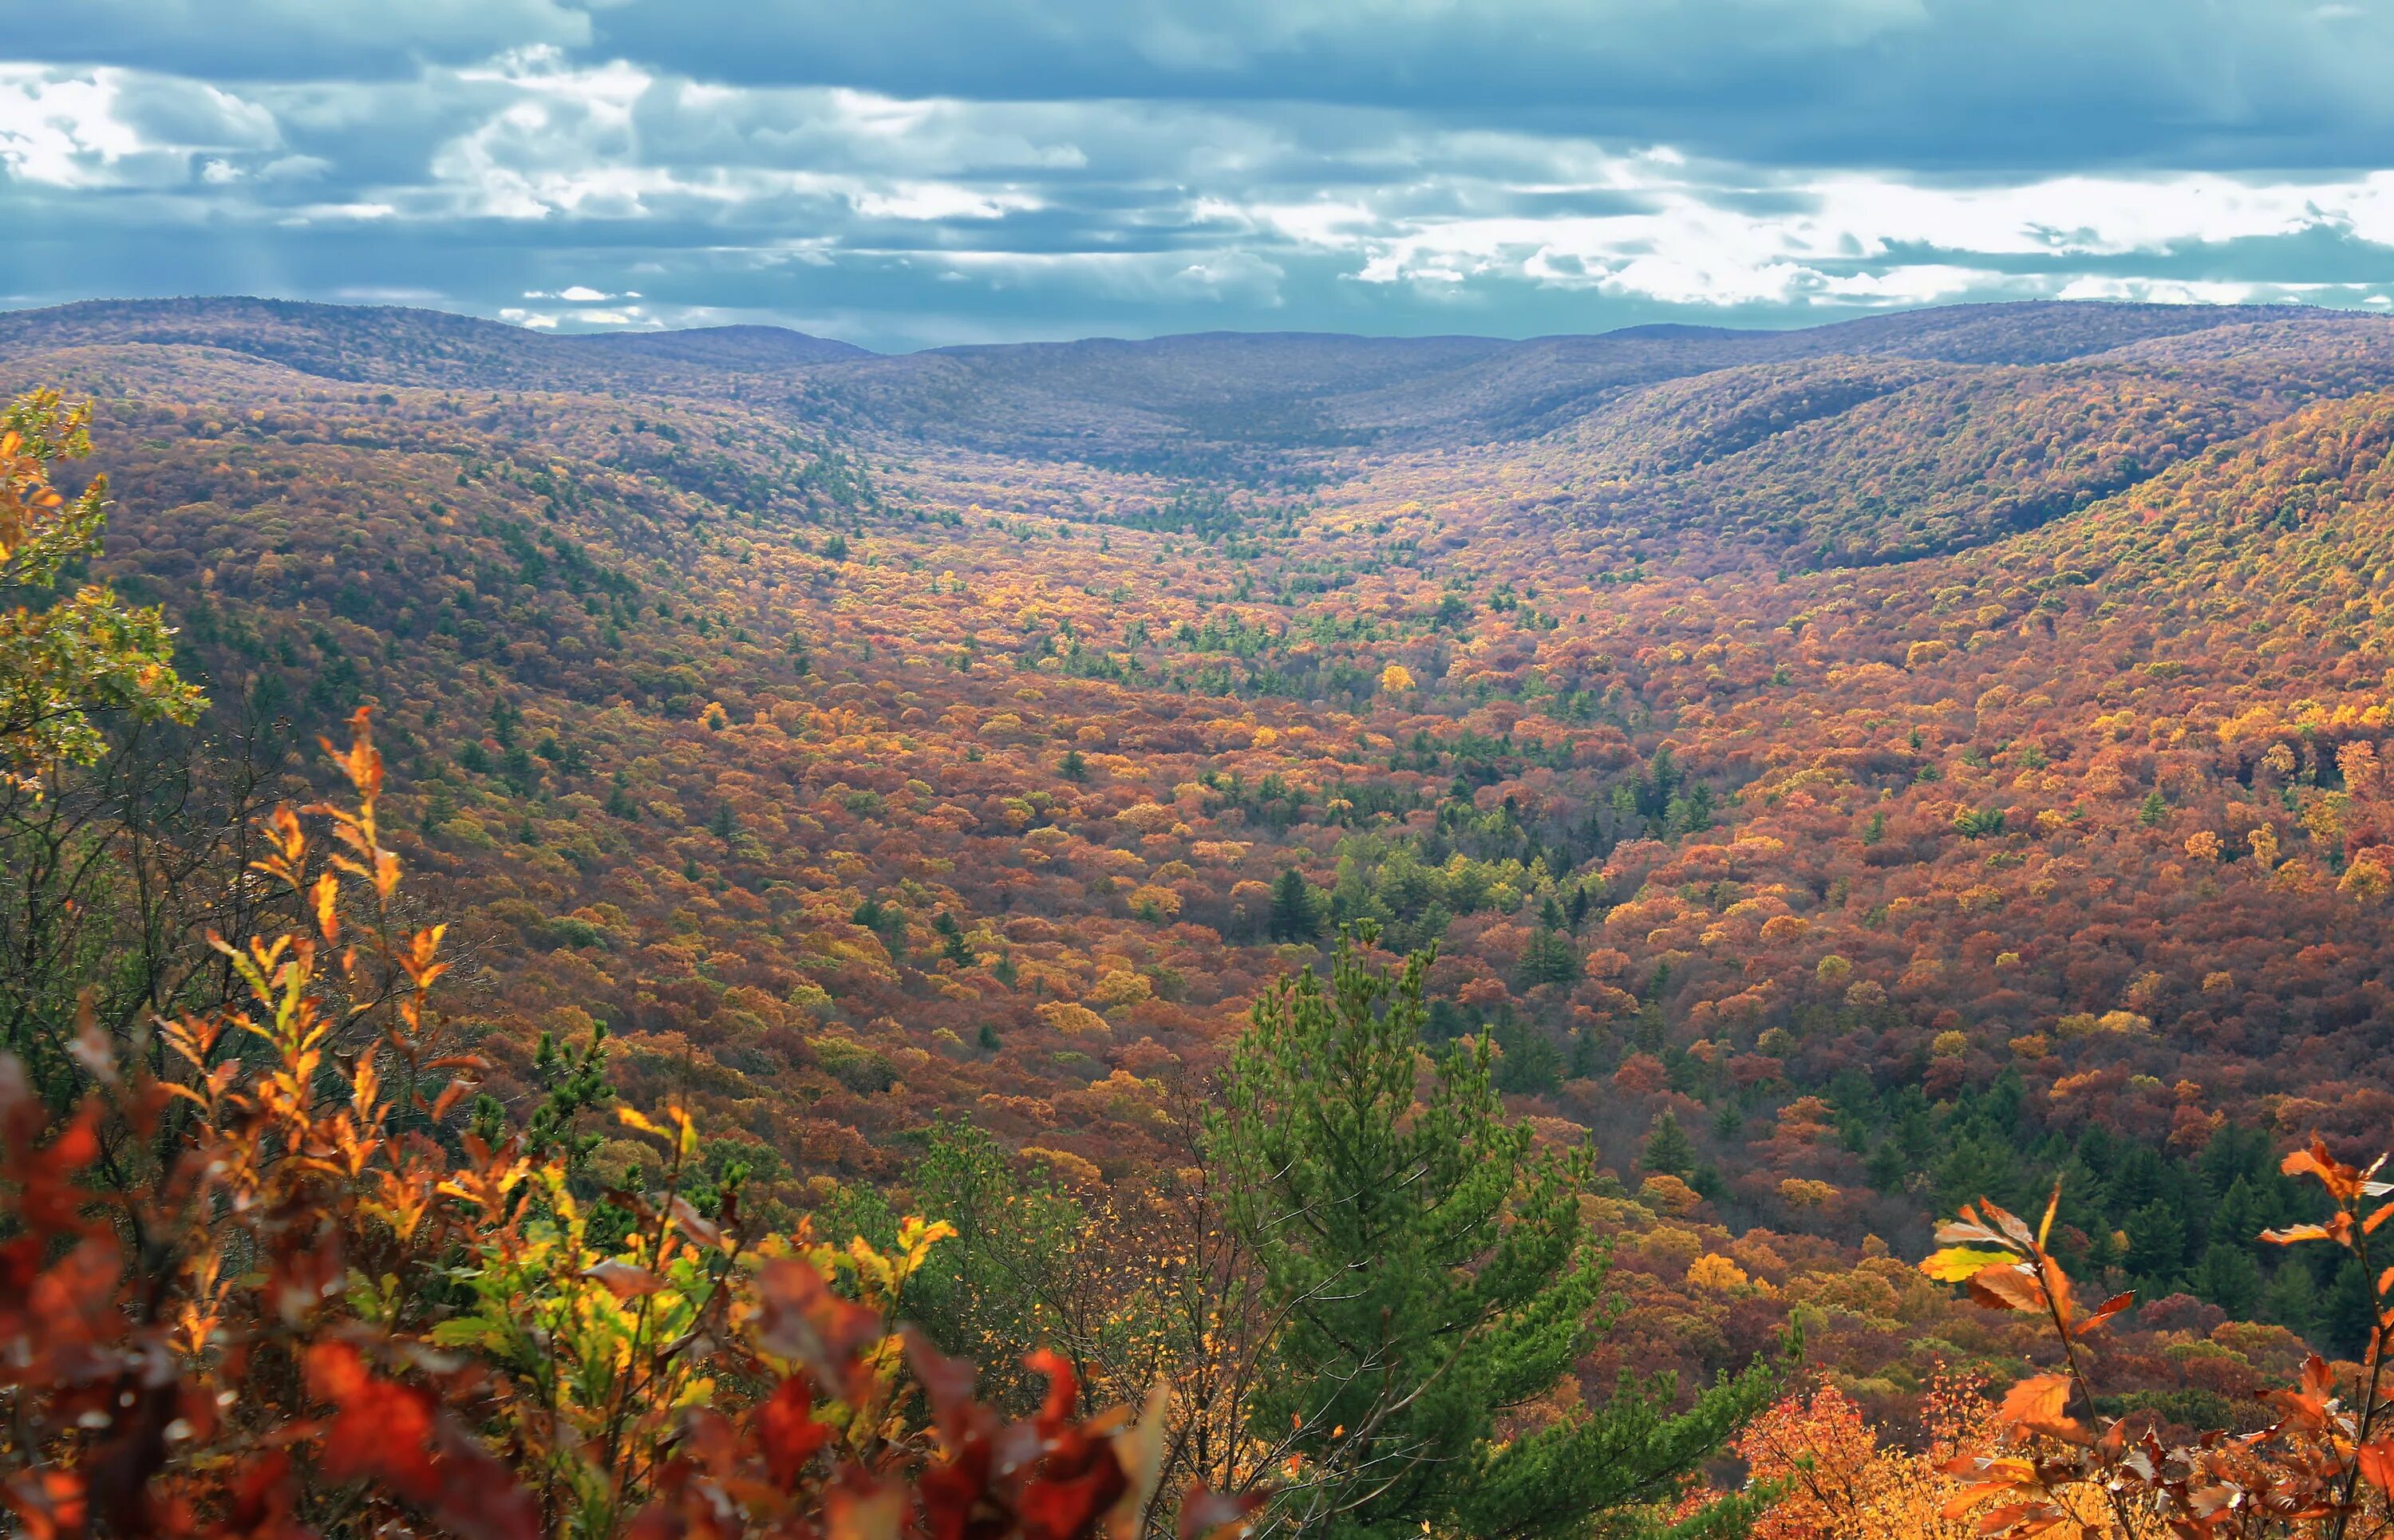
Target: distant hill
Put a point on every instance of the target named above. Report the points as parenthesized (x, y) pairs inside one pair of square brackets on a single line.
[(1866, 441), (387, 344), (743, 347), (1226, 400), (1227, 396)]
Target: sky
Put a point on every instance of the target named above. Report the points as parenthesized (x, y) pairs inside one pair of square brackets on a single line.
[(914, 173)]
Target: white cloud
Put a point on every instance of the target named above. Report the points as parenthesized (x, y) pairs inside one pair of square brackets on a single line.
[(1166, 203)]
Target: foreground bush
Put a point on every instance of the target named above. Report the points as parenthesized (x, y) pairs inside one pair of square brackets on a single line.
[(2055, 1460), (262, 1283)]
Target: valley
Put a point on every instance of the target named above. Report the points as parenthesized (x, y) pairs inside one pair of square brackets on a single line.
[(1843, 772)]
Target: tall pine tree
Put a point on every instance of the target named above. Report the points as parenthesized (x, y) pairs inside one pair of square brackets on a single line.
[(1433, 1272)]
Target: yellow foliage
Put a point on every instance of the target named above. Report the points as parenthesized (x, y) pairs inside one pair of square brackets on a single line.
[(1713, 1271), (1667, 1195), (1117, 987), (1149, 897), (2365, 881), (1071, 1169), (1067, 1017)]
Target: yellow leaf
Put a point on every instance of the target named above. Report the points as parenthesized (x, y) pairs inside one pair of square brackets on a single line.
[(632, 1118), (1960, 1264)]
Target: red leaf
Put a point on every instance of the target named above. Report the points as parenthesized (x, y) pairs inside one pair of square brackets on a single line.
[(2307, 1407), (804, 1321), (1066, 1507), (2343, 1182), (50, 1504), (396, 1435), (788, 1433), (948, 1384), (2006, 1287), (2036, 1404), (1063, 1390), (262, 1496), (2105, 1311)]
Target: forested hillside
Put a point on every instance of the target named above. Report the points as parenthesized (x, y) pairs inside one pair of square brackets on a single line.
[(1842, 774)]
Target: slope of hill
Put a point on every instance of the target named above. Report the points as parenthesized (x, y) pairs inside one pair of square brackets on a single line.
[(389, 346), (2040, 827), (760, 348)]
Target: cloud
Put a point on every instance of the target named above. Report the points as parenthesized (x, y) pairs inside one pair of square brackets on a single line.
[(1008, 168), (262, 40), (110, 129), (2021, 84)]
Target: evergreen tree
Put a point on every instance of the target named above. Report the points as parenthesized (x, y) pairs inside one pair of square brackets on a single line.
[(1295, 915), (1887, 1167), (2349, 1312), (2156, 1243), (2292, 1298), (1669, 1150), (2230, 1278), (1549, 959), (952, 939), (1433, 1272)]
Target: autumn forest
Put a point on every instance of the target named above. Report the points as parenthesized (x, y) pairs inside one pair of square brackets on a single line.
[(1633, 934)]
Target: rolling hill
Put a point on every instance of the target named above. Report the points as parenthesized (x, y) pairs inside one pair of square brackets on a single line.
[(1915, 755)]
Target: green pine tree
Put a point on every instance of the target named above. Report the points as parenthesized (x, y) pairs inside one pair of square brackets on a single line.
[(2292, 1298), (2156, 1242), (1549, 959), (1295, 915), (2230, 1278), (1432, 1272), (1669, 1150)]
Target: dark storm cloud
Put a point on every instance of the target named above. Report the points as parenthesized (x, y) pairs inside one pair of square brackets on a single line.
[(961, 169)]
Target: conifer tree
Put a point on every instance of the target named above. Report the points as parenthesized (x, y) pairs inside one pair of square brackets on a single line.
[(1295, 915), (1433, 1272), (1549, 959), (1669, 1150)]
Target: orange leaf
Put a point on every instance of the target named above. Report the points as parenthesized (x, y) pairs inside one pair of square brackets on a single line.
[(2037, 1402), (2105, 1311), (2343, 1182), (2008, 1288), (2375, 1459), (328, 911)]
